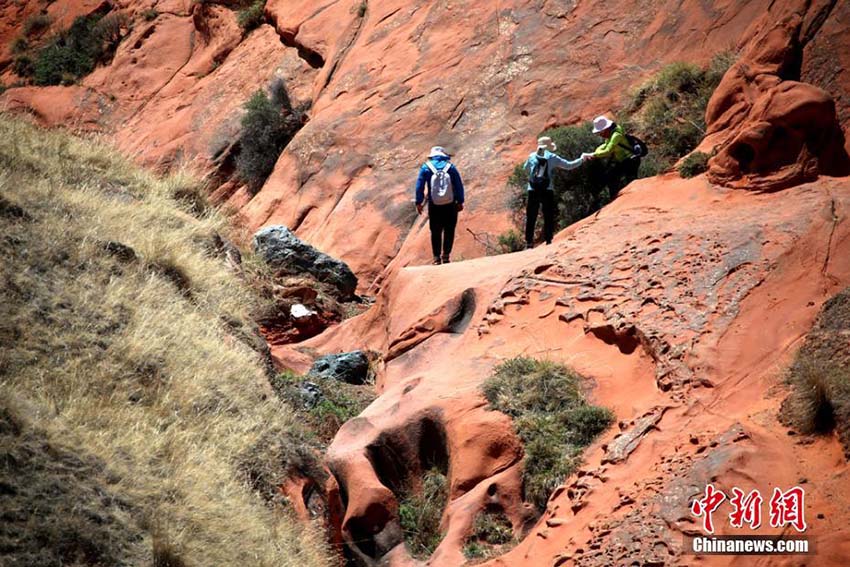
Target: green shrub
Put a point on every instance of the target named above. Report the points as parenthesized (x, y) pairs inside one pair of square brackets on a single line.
[(551, 417), (361, 9), (23, 66), (819, 402), (150, 14), (511, 241), (668, 111), (20, 45), (268, 125), (36, 23), (420, 515), (694, 164), (337, 403), (492, 535), (75, 52), (252, 17)]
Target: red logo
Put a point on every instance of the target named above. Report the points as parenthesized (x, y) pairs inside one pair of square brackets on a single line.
[(786, 508), (706, 506)]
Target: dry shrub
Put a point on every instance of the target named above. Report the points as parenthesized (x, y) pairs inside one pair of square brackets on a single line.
[(125, 366)]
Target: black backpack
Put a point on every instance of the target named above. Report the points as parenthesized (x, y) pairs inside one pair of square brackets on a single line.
[(636, 146), (539, 177)]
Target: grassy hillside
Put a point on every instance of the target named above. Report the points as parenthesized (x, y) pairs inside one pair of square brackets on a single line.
[(137, 422)]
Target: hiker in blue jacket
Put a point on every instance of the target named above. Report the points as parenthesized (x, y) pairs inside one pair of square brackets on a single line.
[(541, 166), (445, 201)]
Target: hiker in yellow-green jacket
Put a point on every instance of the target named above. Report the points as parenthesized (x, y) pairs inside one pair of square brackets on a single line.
[(621, 154)]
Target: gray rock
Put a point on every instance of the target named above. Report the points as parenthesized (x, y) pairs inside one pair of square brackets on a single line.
[(349, 367), (310, 394), (281, 249)]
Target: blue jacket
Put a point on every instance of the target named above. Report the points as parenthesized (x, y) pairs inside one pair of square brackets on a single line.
[(425, 175), (555, 162)]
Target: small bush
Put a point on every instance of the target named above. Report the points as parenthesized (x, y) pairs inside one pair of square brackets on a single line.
[(668, 111), (335, 402), (361, 9), (36, 24), (420, 515), (23, 66), (20, 45), (551, 417), (150, 14), (253, 16), (268, 125), (492, 535), (819, 402), (75, 52), (694, 164), (511, 241)]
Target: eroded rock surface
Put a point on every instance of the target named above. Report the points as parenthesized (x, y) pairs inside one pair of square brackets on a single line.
[(770, 130)]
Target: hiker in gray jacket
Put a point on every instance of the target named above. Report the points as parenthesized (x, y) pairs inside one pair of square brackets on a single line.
[(540, 167)]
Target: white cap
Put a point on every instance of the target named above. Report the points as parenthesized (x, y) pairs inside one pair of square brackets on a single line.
[(546, 143), (601, 123), (438, 151)]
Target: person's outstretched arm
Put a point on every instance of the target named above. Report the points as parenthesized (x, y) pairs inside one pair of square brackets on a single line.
[(561, 163)]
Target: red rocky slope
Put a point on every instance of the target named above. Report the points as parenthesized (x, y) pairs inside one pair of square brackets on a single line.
[(387, 81)]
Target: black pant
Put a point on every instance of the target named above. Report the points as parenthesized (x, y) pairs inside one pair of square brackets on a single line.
[(442, 219), (615, 176), (537, 197)]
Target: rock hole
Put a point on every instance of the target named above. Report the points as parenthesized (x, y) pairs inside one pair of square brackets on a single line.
[(460, 319), (626, 340), (744, 154)]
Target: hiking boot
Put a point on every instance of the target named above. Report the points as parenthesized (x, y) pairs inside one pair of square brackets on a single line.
[(437, 261), (445, 259)]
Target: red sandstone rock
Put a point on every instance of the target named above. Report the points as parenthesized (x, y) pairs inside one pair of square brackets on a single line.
[(771, 131)]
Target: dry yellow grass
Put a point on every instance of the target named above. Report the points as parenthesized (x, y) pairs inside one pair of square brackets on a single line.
[(138, 363)]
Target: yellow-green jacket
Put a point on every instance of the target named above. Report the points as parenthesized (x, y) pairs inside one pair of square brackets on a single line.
[(616, 147)]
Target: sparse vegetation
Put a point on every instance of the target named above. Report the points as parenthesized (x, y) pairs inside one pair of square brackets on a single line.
[(694, 164), (511, 241), (36, 24), (74, 53), (820, 376), (23, 66), (326, 404), (150, 14), (668, 111), (124, 339), (361, 9), (252, 17), (268, 125), (420, 515), (20, 45), (492, 535), (550, 415)]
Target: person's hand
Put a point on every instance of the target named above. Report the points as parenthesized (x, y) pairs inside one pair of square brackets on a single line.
[(419, 208), (459, 207)]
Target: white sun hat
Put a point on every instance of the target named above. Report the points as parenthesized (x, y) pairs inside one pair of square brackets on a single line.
[(601, 123), (439, 151), (546, 143)]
